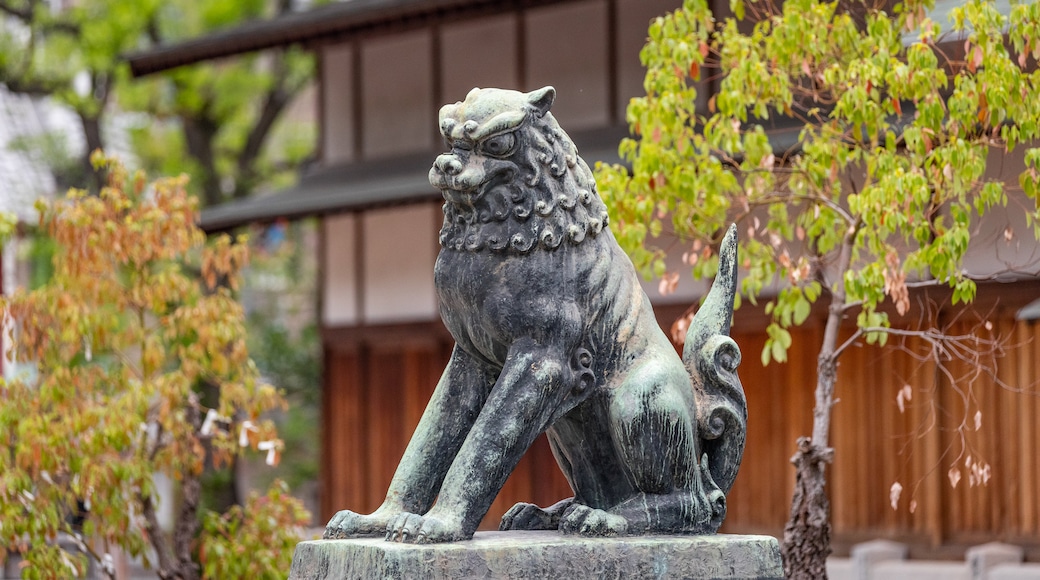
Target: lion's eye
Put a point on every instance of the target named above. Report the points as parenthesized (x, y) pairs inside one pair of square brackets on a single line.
[(500, 145)]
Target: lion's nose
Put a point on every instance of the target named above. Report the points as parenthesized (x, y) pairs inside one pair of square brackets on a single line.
[(449, 164)]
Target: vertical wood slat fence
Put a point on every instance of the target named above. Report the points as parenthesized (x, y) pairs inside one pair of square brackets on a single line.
[(378, 382)]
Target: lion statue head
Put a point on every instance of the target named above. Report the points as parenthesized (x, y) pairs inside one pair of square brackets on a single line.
[(513, 180)]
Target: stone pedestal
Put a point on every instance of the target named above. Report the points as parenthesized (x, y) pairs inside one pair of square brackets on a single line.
[(532, 555)]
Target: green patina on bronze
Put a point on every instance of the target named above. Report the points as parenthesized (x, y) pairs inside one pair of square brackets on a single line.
[(554, 334)]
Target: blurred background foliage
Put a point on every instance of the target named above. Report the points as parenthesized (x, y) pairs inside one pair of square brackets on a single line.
[(237, 127)]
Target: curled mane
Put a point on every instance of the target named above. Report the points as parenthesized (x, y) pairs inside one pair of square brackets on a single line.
[(552, 199)]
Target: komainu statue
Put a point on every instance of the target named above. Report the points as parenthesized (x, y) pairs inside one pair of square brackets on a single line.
[(555, 335)]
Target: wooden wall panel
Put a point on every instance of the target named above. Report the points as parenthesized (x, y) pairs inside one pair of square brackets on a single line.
[(388, 432), (779, 410), (343, 424), (1005, 441), (1024, 375)]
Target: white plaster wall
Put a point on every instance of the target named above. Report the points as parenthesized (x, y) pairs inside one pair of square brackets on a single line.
[(400, 249), (1002, 242), (337, 124), (339, 287), (397, 109), (479, 53), (567, 48)]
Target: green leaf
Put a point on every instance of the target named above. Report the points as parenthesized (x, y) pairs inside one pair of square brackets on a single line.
[(801, 310)]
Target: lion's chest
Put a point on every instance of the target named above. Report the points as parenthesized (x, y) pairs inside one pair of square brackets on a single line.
[(488, 300)]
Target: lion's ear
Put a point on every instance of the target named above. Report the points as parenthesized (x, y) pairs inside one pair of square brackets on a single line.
[(542, 99)]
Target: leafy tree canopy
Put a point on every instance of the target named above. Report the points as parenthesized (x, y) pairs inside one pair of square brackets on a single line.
[(114, 350), (888, 171)]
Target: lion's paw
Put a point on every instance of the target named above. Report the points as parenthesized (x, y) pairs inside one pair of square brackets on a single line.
[(527, 516), (413, 528), (586, 521), (348, 524)]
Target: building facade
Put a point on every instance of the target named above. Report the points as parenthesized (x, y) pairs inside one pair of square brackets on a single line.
[(385, 70)]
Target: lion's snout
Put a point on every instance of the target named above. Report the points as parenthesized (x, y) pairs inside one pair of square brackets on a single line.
[(448, 164), (450, 174)]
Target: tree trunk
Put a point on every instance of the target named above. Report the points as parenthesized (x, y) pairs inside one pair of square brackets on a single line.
[(187, 525), (199, 134), (174, 551), (92, 134), (807, 535), (276, 100)]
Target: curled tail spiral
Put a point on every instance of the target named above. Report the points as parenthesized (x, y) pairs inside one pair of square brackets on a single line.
[(711, 357)]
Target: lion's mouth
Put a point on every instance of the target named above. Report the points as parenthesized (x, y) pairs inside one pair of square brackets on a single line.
[(458, 191), (450, 187), (458, 196)]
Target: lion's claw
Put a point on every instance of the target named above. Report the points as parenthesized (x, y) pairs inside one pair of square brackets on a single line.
[(416, 529), (586, 521), (403, 527), (528, 516), (348, 524)]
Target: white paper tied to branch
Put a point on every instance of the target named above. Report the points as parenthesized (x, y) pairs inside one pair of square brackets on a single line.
[(211, 418), (271, 447), (69, 563), (243, 433), (108, 564)]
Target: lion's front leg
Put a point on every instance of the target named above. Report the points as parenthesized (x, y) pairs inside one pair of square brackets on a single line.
[(449, 416), (533, 386)]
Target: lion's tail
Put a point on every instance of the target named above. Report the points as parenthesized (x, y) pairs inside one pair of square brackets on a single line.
[(712, 357)]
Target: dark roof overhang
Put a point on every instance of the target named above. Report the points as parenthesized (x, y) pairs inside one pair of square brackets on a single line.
[(367, 185), (333, 22)]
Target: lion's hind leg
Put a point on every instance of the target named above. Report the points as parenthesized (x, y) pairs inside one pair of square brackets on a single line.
[(653, 426), (680, 511), (528, 516)]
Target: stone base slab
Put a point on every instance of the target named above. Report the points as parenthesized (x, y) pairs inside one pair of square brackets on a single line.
[(530, 555)]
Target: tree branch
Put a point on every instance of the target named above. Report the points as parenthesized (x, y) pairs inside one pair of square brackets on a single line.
[(187, 522), (32, 86), (83, 546), (27, 16), (156, 537), (199, 133), (23, 14), (851, 340), (275, 102)]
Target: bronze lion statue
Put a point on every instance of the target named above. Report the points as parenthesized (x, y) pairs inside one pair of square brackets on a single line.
[(554, 334)]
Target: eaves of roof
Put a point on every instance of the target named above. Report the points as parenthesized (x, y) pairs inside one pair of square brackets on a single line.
[(336, 21), (367, 185)]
